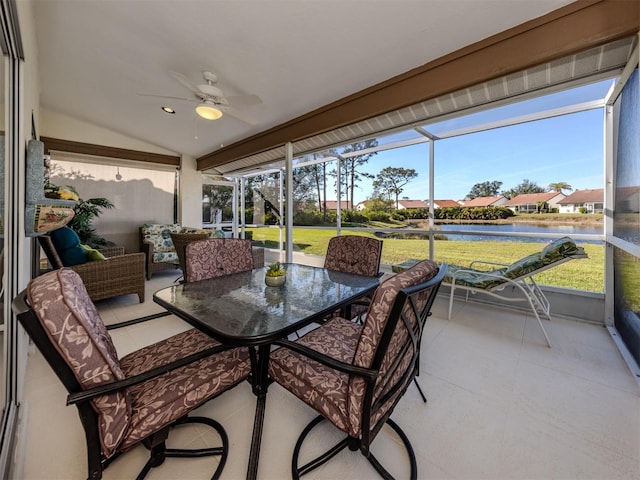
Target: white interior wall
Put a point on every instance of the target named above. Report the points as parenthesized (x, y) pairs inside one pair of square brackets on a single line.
[(190, 209), (139, 198), (139, 195)]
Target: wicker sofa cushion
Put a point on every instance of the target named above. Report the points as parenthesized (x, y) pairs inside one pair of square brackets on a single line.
[(159, 235), (92, 254), (208, 231), (66, 312), (67, 243)]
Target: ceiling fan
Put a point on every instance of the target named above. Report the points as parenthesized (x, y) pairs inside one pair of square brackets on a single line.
[(211, 101)]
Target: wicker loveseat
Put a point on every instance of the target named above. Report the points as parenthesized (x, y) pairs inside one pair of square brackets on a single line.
[(118, 274), (156, 243)]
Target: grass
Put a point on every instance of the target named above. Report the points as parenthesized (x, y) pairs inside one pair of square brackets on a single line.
[(583, 274)]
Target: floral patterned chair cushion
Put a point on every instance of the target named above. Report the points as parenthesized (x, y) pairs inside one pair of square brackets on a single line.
[(354, 254), (62, 304), (374, 325), (164, 399), (74, 326), (336, 395), (159, 235), (216, 257)]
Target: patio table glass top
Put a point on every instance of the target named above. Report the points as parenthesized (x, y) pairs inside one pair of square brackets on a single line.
[(241, 309)]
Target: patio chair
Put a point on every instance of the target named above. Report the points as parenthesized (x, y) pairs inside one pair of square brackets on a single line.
[(215, 257), (354, 254), (180, 241), (518, 275), (353, 374), (135, 399), (118, 274)]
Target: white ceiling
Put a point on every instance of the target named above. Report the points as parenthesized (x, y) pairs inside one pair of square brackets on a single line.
[(95, 56)]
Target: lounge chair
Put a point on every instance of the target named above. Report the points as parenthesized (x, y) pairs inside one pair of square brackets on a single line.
[(519, 275)]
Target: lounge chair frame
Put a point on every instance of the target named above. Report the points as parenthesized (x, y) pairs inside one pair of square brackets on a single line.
[(533, 294)]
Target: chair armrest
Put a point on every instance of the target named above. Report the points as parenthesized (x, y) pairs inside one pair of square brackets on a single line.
[(130, 262), (349, 368), (112, 387), (111, 251)]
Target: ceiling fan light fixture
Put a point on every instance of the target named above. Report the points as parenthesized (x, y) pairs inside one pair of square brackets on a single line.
[(208, 110)]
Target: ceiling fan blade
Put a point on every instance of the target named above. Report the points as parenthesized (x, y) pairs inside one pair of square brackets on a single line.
[(243, 117), (243, 100), (165, 96), (185, 82)]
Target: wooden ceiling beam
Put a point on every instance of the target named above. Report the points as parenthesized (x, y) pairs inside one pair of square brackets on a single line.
[(109, 152)]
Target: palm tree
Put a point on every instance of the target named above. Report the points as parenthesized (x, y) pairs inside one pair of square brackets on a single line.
[(559, 186)]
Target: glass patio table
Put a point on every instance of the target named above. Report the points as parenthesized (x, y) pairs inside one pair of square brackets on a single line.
[(239, 309)]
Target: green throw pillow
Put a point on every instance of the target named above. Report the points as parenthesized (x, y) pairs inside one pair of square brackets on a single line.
[(91, 253)]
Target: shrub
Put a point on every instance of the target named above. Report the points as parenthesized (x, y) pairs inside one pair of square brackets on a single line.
[(379, 217)]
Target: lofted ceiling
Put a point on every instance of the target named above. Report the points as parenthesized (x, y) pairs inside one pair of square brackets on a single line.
[(95, 57)]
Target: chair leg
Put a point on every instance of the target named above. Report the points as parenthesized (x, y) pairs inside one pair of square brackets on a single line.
[(453, 288), (424, 399), (353, 444), (159, 452), (407, 445)]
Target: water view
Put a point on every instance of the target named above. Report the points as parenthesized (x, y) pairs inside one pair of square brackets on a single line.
[(569, 230)]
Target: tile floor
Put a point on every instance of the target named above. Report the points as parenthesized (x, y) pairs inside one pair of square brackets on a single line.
[(501, 406)]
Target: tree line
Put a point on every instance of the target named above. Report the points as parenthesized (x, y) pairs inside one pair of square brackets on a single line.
[(492, 189)]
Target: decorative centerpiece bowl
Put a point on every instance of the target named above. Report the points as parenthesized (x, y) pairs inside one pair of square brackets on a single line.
[(276, 275)]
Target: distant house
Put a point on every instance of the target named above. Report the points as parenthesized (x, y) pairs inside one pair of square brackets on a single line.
[(485, 201), (627, 199), (592, 200), (402, 204), (444, 204), (333, 205), (528, 202)]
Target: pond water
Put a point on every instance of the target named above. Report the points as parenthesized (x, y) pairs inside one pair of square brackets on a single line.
[(519, 228)]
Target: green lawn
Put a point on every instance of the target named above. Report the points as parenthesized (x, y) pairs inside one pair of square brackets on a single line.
[(583, 274)]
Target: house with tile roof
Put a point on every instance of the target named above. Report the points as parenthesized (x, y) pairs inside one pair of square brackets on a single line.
[(590, 199), (333, 205), (445, 204), (402, 204), (486, 201), (528, 202)]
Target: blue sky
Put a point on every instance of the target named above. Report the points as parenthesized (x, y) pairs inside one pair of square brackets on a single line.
[(567, 148)]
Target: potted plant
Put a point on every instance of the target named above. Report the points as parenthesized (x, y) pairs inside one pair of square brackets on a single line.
[(82, 222), (276, 275)]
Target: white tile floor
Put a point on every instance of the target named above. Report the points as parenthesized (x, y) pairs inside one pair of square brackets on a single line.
[(501, 406)]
